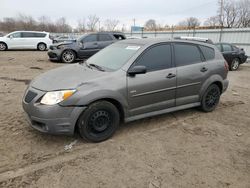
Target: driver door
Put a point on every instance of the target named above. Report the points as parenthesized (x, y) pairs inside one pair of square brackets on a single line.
[(89, 46), (154, 90)]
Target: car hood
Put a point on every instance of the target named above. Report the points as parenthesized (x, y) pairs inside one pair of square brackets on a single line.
[(66, 77)]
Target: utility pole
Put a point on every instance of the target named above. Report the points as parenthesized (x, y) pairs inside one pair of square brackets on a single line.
[(221, 12), (134, 21), (221, 18)]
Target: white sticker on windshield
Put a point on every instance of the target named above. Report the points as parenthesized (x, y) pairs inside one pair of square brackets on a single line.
[(133, 48)]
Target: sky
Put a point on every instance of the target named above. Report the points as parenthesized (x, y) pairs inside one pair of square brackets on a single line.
[(163, 11)]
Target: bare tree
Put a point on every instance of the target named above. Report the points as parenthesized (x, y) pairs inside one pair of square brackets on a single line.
[(110, 24), (81, 25), (244, 13), (92, 21), (62, 25), (190, 23), (150, 25), (230, 13), (212, 21)]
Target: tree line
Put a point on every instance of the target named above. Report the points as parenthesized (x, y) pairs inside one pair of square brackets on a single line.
[(230, 14)]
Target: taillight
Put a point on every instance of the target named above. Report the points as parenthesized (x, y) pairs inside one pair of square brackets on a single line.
[(226, 66)]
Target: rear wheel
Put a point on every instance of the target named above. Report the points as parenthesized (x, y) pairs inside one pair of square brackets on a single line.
[(235, 64), (3, 46), (41, 47), (210, 98), (68, 56), (99, 122)]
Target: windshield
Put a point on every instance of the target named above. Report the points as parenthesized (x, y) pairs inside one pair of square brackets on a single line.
[(81, 37), (113, 57)]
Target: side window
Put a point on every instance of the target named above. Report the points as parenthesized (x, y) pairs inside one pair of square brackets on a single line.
[(156, 58), (90, 38), (186, 54), (208, 52), (219, 47), (28, 35), (16, 35), (103, 37), (39, 35), (226, 48)]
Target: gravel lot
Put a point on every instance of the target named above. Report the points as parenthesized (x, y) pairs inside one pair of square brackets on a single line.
[(183, 149)]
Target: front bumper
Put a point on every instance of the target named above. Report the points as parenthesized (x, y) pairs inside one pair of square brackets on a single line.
[(54, 55), (54, 119)]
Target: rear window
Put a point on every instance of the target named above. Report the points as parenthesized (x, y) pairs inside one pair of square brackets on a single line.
[(208, 52), (186, 54)]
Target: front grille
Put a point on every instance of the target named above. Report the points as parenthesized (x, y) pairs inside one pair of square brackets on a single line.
[(30, 96)]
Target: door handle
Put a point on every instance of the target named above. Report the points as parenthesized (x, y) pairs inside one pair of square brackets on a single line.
[(170, 75), (95, 43), (204, 69)]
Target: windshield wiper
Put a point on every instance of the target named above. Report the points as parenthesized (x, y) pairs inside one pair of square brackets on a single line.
[(96, 66)]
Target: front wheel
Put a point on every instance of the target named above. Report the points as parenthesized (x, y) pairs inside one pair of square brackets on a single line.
[(99, 121), (210, 98), (68, 56), (3, 46), (235, 64)]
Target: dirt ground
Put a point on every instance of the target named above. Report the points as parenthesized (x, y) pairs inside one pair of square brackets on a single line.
[(183, 149)]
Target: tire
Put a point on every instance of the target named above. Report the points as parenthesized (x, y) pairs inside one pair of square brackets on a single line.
[(68, 56), (99, 121), (41, 47), (3, 46), (211, 98), (235, 64)]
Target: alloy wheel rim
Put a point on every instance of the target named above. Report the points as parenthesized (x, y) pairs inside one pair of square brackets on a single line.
[(42, 47), (68, 56), (2, 46), (235, 64), (212, 98)]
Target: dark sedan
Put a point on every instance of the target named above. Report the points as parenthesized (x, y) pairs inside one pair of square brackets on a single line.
[(232, 54), (84, 47)]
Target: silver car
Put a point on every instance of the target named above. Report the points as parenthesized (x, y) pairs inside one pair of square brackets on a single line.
[(126, 81)]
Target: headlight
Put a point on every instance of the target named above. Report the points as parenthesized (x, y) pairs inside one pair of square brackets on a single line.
[(60, 47), (54, 97)]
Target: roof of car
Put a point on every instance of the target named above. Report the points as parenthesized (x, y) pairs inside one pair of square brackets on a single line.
[(150, 41)]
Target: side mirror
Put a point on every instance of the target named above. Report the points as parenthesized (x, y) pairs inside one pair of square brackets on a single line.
[(11, 37), (137, 70)]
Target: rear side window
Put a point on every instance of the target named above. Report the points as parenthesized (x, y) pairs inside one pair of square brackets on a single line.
[(226, 48), (208, 53), (90, 38), (219, 47), (40, 35), (103, 37), (186, 54), (156, 58)]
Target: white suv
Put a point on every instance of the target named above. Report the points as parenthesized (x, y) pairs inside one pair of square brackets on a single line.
[(25, 40)]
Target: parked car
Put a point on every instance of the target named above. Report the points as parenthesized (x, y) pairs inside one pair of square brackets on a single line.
[(128, 80), (64, 39), (25, 40), (232, 54), (86, 46)]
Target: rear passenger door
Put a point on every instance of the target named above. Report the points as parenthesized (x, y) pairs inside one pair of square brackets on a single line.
[(104, 40), (154, 90), (191, 72)]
